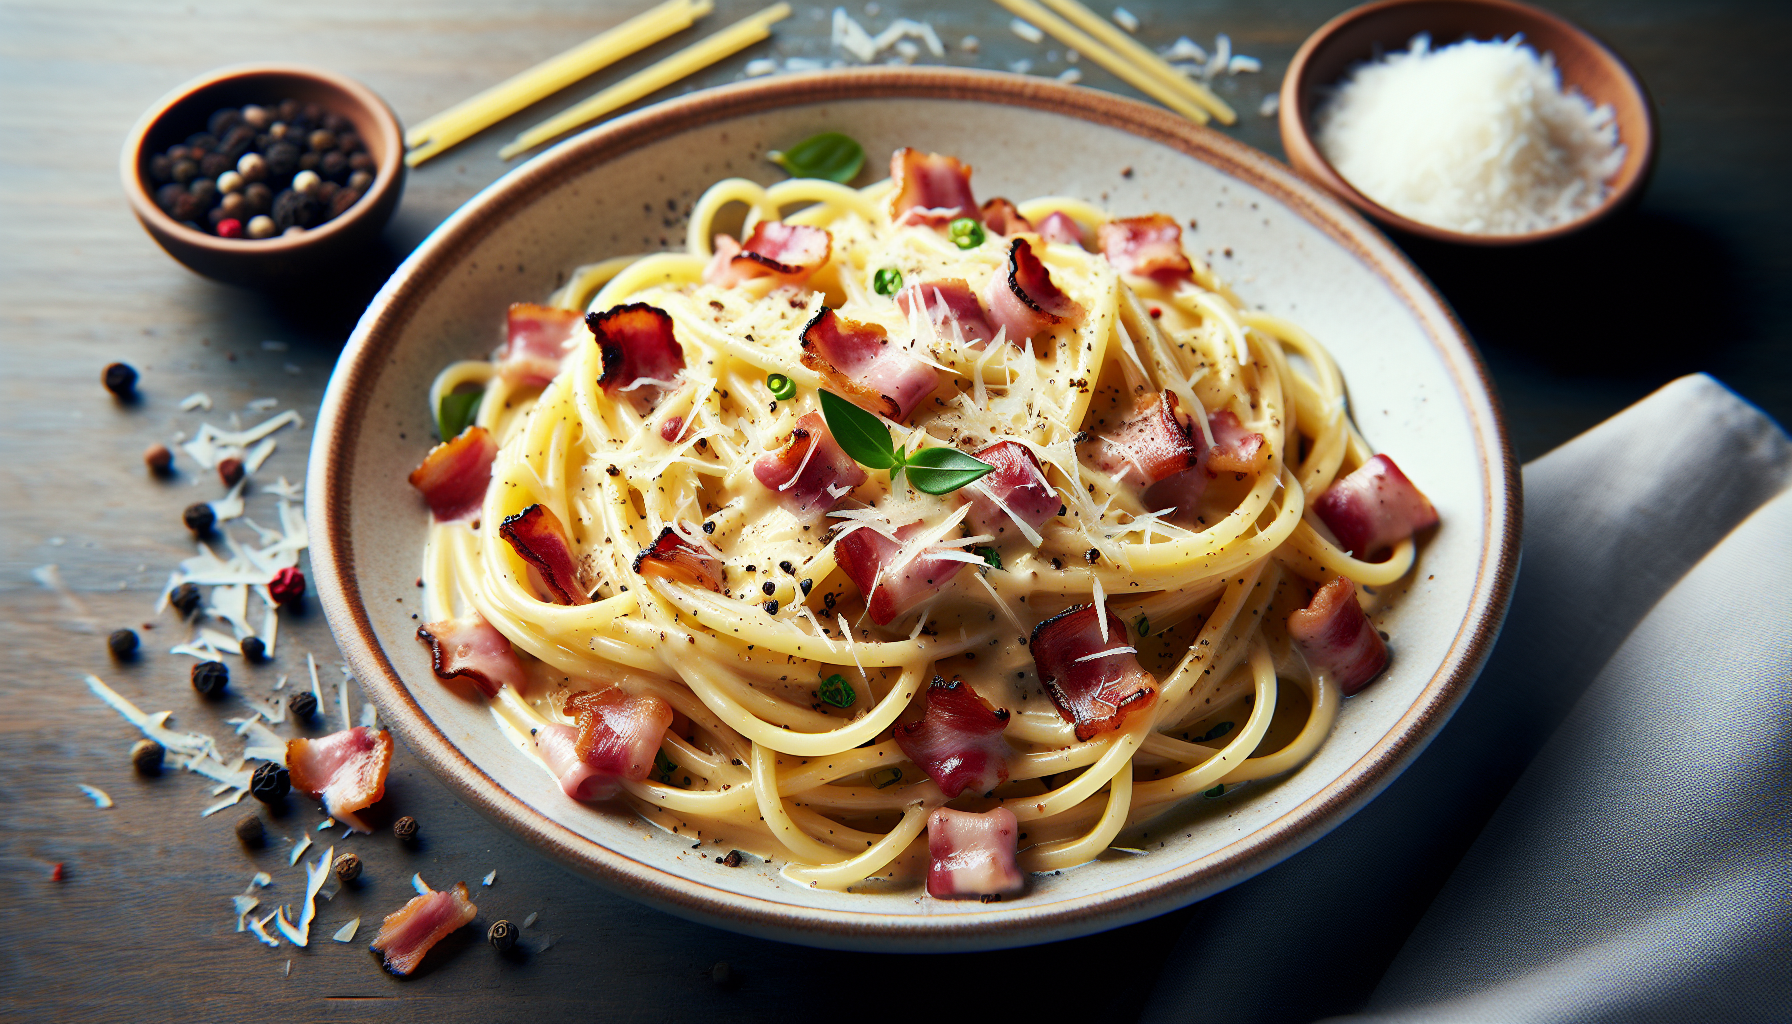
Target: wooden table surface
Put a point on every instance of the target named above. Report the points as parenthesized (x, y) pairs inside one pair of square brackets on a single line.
[(141, 926)]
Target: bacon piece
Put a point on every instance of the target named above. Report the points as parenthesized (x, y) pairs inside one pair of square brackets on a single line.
[(788, 252), (619, 732), (408, 932), (929, 188), (891, 590), (671, 557), (455, 473), (959, 741), (1148, 246), (859, 360), (1335, 637), (536, 535), (639, 349), (474, 648), (557, 746), (1001, 216), (1026, 300), (1374, 507), (1059, 226), (948, 302), (1155, 443), (1016, 490), (1235, 450), (346, 769), (1093, 689), (810, 474), (971, 856), (537, 339)]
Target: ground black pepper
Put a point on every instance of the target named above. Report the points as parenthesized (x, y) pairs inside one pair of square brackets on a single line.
[(123, 644), (199, 518), (210, 678), (502, 936), (270, 783), (405, 828), (146, 757), (120, 379)]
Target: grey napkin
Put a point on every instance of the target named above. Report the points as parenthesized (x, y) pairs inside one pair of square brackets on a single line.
[(1639, 869)]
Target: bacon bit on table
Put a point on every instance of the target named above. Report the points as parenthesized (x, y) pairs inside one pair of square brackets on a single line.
[(671, 557), (858, 360), (951, 305), (1374, 507), (537, 340), (971, 856), (472, 647), (639, 348), (1149, 246), (1015, 492), (1096, 683), (537, 537), (1025, 300), (891, 590), (810, 473), (788, 252), (928, 188), (408, 932), (958, 742), (346, 769), (1336, 638), (455, 473)]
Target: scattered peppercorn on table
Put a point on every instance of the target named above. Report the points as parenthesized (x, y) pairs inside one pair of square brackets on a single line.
[(137, 905)]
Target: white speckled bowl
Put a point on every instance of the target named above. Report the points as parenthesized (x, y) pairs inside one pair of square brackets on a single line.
[(1418, 391)]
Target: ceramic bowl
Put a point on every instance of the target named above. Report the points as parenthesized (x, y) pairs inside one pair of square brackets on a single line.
[(1362, 33), (1419, 392), (283, 259)]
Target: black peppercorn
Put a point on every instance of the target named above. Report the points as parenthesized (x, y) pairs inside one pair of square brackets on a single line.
[(186, 208), (270, 783), (205, 191), (123, 644), (347, 867), (502, 936), (185, 169), (168, 195), (146, 757), (199, 518), (161, 168), (222, 121), (120, 379), (732, 860), (250, 831), (254, 651), (359, 181), (405, 828), (288, 110), (313, 113), (345, 198), (302, 705), (202, 140), (334, 166), (295, 209), (215, 164), (769, 587), (362, 162), (309, 161), (260, 198), (184, 598), (771, 607), (210, 678), (321, 139), (336, 122), (282, 160)]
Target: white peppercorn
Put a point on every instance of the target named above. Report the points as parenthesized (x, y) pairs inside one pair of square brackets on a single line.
[(253, 167), (261, 226), (306, 182), (231, 181), (258, 117)]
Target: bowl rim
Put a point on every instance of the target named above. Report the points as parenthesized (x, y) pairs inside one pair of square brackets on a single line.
[(333, 563), (388, 177), (1305, 156)]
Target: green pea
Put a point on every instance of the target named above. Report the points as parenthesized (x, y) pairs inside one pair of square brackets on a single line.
[(782, 387), (887, 281), (965, 232)]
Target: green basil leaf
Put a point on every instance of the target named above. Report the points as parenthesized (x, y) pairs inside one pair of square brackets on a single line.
[(943, 470), (458, 412), (990, 555), (859, 433), (837, 691), (829, 155)]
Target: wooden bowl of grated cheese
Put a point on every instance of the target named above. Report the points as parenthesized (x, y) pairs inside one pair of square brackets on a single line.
[(1483, 122)]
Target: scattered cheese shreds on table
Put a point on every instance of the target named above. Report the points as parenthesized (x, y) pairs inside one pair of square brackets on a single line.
[(1026, 30), (260, 927), (98, 795), (197, 400), (243, 905), (420, 885), (490, 877), (346, 933), (299, 850)]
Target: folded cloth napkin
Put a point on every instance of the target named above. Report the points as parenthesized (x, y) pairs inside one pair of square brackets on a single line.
[(1639, 869)]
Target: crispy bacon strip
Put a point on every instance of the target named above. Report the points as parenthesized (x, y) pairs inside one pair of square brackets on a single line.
[(408, 932), (949, 303), (1374, 507), (639, 349), (1015, 491), (1026, 300), (619, 732), (455, 473), (1155, 443), (1001, 216), (958, 742), (971, 856), (557, 746), (1059, 226), (891, 590), (536, 340), (1094, 689), (859, 361), (810, 474), (536, 535), (1336, 638), (1148, 246), (788, 252), (929, 188), (346, 769), (472, 647), (671, 557)]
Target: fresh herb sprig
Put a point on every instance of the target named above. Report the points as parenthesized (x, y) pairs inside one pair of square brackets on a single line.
[(830, 155), (865, 438)]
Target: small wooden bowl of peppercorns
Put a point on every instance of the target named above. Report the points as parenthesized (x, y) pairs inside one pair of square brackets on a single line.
[(264, 174)]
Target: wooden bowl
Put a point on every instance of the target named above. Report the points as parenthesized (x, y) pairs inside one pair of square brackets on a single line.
[(282, 259), (1360, 34)]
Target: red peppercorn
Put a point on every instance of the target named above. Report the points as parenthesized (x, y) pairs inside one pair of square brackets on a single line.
[(230, 227), (57, 873), (288, 585), (230, 470)]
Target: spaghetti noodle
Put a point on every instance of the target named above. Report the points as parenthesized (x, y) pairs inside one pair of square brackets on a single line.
[(807, 724)]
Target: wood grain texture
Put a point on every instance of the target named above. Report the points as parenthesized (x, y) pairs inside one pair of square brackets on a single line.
[(142, 927)]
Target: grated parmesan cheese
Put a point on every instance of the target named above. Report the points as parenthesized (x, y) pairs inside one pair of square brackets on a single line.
[(1126, 19), (1476, 137), (420, 885), (490, 877), (346, 933), (299, 850), (1026, 30), (99, 797)]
